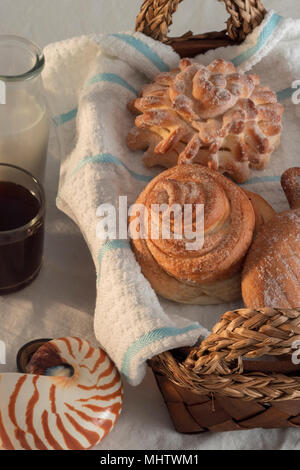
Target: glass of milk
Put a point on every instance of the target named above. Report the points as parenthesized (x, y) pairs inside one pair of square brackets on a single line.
[(24, 125)]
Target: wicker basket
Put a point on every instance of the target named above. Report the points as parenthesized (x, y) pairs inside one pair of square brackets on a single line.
[(155, 18), (223, 385), (216, 387)]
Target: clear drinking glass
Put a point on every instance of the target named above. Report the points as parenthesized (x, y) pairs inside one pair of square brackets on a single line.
[(22, 218), (24, 125)]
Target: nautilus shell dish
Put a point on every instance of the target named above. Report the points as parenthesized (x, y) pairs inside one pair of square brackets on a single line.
[(212, 115), (70, 399)]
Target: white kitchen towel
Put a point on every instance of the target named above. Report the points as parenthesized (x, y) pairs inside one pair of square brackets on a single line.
[(89, 81)]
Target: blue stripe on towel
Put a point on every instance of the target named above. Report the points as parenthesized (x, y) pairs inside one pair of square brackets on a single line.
[(108, 158), (144, 49), (263, 37), (101, 77), (149, 338), (109, 246), (112, 78), (286, 93), (262, 179), (66, 117)]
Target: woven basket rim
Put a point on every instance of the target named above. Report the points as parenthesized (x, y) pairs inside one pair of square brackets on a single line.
[(217, 366)]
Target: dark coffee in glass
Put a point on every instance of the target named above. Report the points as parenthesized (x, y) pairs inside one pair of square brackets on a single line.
[(22, 217)]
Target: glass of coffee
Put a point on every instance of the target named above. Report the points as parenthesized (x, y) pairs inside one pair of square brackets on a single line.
[(22, 218)]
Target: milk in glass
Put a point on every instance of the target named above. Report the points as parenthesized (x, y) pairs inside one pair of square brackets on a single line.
[(24, 126), (24, 132)]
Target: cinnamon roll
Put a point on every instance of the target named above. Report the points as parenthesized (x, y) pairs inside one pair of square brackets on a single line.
[(183, 266)]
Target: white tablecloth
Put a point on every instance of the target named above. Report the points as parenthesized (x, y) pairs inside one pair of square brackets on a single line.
[(61, 301)]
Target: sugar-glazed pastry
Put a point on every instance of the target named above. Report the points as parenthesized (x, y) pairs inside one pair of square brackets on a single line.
[(207, 274), (70, 399), (271, 275), (211, 115)]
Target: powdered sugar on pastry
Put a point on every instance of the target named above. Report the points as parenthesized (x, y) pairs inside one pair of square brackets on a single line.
[(271, 275), (210, 274), (211, 115)]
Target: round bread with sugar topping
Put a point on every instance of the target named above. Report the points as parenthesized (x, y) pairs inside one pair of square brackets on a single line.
[(206, 274)]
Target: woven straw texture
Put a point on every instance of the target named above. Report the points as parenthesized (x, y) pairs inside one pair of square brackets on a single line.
[(219, 387), (192, 413), (155, 19)]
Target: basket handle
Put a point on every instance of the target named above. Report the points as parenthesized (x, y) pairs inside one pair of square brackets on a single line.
[(245, 333), (155, 18)]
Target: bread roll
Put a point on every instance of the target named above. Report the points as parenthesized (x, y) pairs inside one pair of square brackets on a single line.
[(271, 275), (212, 273)]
